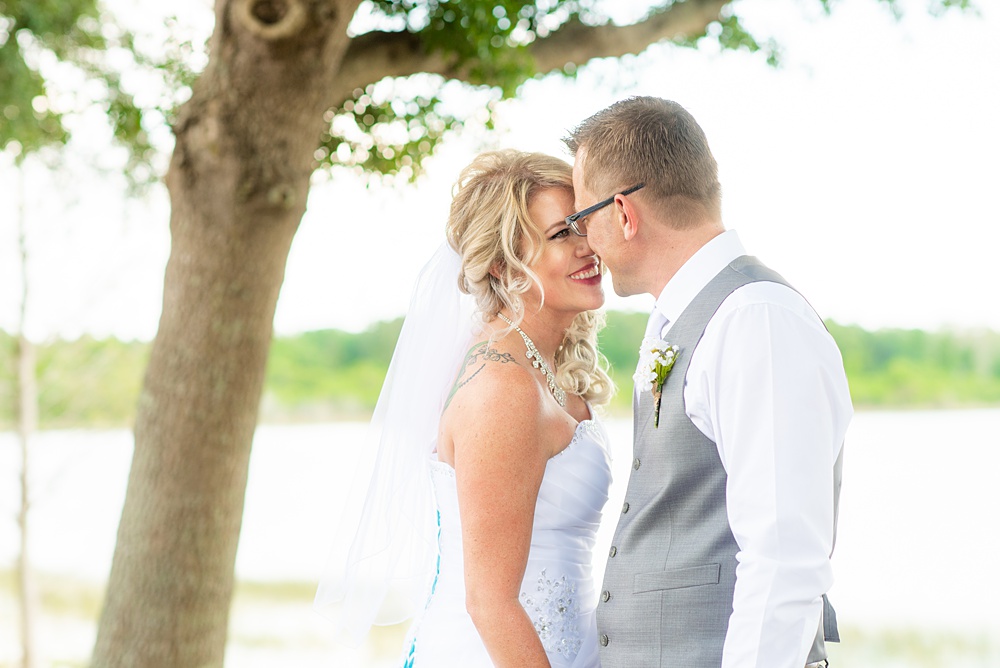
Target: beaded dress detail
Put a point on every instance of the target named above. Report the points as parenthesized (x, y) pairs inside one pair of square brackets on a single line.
[(557, 591)]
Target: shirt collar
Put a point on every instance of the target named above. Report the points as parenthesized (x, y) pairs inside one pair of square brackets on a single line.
[(696, 273)]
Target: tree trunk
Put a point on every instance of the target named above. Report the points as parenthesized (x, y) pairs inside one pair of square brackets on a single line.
[(27, 418), (27, 423), (238, 182)]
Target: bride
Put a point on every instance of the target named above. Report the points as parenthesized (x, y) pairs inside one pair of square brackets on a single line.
[(492, 469)]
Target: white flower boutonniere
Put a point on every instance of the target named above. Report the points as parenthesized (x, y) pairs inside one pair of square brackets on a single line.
[(656, 359)]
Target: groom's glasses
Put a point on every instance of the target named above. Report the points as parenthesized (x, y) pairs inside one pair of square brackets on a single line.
[(577, 221)]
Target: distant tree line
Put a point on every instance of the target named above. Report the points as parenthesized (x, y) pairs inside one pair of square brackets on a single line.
[(912, 367), (87, 382), (333, 374)]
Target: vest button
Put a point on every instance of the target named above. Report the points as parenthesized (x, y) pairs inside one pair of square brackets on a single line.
[(604, 640), (636, 464), (605, 595), (625, 507), (613, 551)]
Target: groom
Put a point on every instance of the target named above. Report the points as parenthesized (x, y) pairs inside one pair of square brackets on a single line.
[(721, 556)]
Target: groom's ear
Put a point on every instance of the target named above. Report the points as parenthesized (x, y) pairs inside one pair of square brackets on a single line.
[(628, 217)]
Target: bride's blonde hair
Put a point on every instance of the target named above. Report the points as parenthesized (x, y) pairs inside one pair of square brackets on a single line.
[(489, 228)]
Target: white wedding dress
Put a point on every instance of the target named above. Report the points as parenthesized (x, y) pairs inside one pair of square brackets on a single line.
[(557, 592)]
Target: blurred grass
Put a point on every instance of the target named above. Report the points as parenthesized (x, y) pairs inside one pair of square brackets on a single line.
[(914, 648), (273, 609)]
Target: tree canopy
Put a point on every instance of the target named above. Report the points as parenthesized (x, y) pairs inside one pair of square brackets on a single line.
[(386, 110), (42, 43)]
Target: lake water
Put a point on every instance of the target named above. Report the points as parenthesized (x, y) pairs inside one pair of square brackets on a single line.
[(919, 541)]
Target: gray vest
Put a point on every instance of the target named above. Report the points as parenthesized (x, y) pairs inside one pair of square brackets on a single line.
[(671, 573)]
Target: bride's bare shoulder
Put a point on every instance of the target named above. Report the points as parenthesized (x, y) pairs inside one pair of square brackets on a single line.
[(495, 407), (493, 380)]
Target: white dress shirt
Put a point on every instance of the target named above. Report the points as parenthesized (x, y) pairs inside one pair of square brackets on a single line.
[(766, 384)]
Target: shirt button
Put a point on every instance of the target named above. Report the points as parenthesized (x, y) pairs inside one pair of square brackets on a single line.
[(604, 640), (636, 464), (625, 507), (613, 551), (605, 595)]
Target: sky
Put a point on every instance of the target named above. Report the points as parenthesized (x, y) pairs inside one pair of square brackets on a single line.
[(863, 169)]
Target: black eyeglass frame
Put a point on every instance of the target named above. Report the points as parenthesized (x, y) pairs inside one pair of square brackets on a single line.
[(571, 220)]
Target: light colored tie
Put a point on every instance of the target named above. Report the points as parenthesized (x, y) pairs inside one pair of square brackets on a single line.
[(654, 326)]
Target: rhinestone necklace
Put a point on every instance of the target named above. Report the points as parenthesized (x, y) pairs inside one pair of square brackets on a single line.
[(538, 362)]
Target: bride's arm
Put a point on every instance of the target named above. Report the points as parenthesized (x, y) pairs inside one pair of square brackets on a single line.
[(499, 466)]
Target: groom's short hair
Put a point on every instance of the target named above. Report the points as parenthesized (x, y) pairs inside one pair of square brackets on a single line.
[(657, 142)]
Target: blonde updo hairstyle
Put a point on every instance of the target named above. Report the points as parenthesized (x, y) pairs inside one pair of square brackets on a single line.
[(489, 227)]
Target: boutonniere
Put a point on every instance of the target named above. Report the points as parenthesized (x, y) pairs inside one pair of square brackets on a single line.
[(656, 359)]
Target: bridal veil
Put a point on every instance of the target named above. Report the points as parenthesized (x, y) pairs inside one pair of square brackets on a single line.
[(383, 578)]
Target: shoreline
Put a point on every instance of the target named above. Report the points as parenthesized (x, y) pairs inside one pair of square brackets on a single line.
[(363, 418)]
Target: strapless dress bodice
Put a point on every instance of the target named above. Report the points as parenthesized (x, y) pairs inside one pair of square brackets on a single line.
[(557, 591)]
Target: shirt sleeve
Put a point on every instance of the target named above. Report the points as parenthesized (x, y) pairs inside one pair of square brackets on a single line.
[(767, 385)]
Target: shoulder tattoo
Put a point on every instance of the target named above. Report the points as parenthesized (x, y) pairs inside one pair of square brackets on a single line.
[(480, 354)]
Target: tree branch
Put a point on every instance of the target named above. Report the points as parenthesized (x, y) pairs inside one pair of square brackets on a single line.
[(578, 43), (376, 55)]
